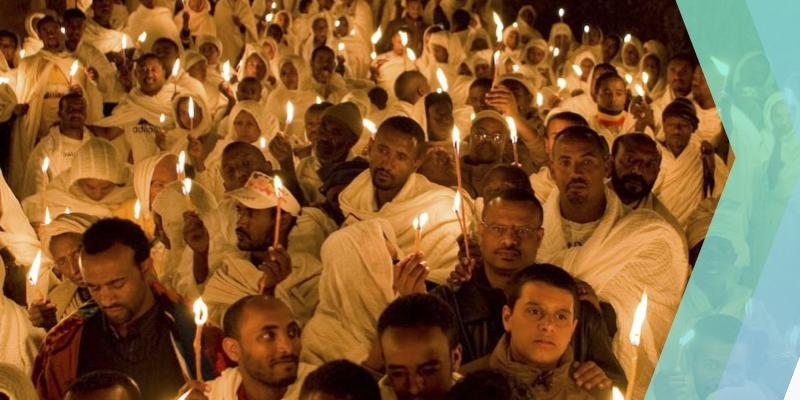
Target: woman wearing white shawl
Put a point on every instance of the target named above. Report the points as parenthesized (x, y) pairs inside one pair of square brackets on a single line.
[(654, 62), (168, 208), (455, 56), (512, 42), (155, 20), (234, 37), (256, 63), (561, 38), (586, 61), (266, 123), (21, 339), (201, 22), (150, 176), (526, 17), (592, 41), (97, 183), (535, 65), (294, 84), (424, 61), (216, 97), (631, 54), (64, 294), (357, 253)]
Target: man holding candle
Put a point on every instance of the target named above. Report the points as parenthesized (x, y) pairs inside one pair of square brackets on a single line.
[(131, 325), (392, 190), (513, 97), (595, 239), (263, 266)]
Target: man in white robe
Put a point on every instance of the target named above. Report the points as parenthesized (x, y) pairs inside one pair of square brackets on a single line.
[(690, 171), (621, 255), (155, 20), (59, 146), (391, 189), (236, 26), (557, 120), (270, 265)]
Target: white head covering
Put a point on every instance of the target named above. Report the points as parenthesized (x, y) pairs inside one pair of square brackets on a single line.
[(65, 223), (200, 127), (455, 54), (250, 49), (170, 204), (142, 177), (97, 159), (635, 42), (303, 72), (14, 383), (267, 123)]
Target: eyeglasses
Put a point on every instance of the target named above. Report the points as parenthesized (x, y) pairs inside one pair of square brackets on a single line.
[(481, 134), (560, 319), (522, 232)]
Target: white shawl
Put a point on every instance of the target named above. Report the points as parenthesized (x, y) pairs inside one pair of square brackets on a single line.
[(16, 232), (21, 339), (357, 253), (418, 195), (226, 386), (157, 22), (627, 254), (233, 40), (59, 150)]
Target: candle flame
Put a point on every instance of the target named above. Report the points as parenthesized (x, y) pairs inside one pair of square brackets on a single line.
[(539, 99), (639, 90), (274, 5), (262, 143), (289, 113), (181, 163), (124, 42), (176, 67), (340, 46), (515, 68), (226, 71), (33, 274), (561, 83), (268, 17), (638, 320), (63, 31), (616, 394), (560, 13), (645, 77), (376, 36), (318, 100), (586, 29), (47, 218), (499, 26), (67, 211), (627, 38), (186, 188), (577, 69), (142, 37), (411, 55), (337, 24), (373, 55), (556, 52), (278, 184), (185, 395), (191, 107), (370, 126), (22, 53), (73, 69), (472, 116), (4, 80), (137, 209), (628, 78), (419, 221), (442, 79), (496, 57), (512, 129), (200, 311), (456, 138), (457, 203), (162, 118), (45, 164), (403, 38)]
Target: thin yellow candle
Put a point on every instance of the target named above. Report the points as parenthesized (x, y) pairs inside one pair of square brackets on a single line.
[(410, 55), (456, 138), (278, 184), (442, 78), (181, 166), (404, 41), (498, 32), (226, 71), (137, 211), (418, 223), (124, 46), (200, 318), (33, 274), (47, 219), (512, 128), (186, 189), (73, 69), (458, 209), (635, 336), (376, 37)]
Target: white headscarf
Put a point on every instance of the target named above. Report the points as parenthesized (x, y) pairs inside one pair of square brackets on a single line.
[(65, 223), (97, 159), (142, 178)]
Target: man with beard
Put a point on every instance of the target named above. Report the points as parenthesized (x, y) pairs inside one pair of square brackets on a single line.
[(557, 120), (635, 166), (623, 254), (263, 338), (391, 189), (131, 325), (265, 264)]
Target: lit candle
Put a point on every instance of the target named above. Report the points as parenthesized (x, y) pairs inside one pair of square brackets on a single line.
[(561, 14), (635, 337), (442, 80), (561, 83), (186, 189), (73, 69), (289, 114), (268, 18), (512, 128), (586, 29), (376, 37), (418, 223), (411, 56), (191, 114), (628, 78), (645, 77), (67, 211), (137, 211), (4, 80), (498, 31), (47, 218), (176, 68), (340, 47), (200, 318), (539, 99), (22, 53), (262, 143), (161, 120), (404, 41), (141, 39), (458, 209), (33, 274), (577, 69), (515, 68), (627, 38), (318, 100), (226, 71), (181, 167), (639, 91), (456, 138), (556, 52), (370, 126), (278, 186)]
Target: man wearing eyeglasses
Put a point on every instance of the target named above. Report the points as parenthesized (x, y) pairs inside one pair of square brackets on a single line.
[(622, 253)]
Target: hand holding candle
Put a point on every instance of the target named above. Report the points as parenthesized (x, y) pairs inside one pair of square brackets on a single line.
[(512, 128), (200, 318), (635, 337), (186, 189), (418, 223), (458, 209), (33, 274)]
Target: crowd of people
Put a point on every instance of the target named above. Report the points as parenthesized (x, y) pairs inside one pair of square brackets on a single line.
[(386, 200)]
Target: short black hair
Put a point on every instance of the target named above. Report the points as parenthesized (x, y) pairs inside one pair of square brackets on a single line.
[(275, 31), (485, 83), (106, 233), (608, 76), (250, 79), (632, 139), (319, 107), (104, 379), (598, 67), (514, 175), (378, 97), (69, 96), (582, 133), (419, 311), (73, 13), (461, 19), (518, 196), (436, 97), (152, 56), (45, 20), (545, 273), (343, 379), (402, 89), (165, 39), (569, 116), (489, 384), (686, 57), (244, 147), (405, 126), (321, 49), (4, 33), (513, 85)]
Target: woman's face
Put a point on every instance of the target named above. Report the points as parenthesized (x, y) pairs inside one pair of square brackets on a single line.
[(630, 55), (586, 66), (246, 127), (183, 114), (535, 55), (512, 39), (289, 76), (255, 67)]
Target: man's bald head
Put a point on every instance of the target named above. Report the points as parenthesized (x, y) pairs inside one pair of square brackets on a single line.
[(410, 86), (232, 321)]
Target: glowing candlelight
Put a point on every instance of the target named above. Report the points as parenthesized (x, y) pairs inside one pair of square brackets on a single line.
[(337, 24), (22, 53), (67, 211), (539, 99), (376, 37), (161, 119), (73, 69), (200, 317), (142, 38), (410, 54), (561, 83), (33, 274), (512, 129), (645, 77), (370, 126), (4, 80), (515, 68), (373, 55), (639, 90), (269, 17), (47, 218), (499, 27), (616, 394), (628, 78), (442, 79), (137, 210), (418, 223), (289, 113), (627, 38), (278, 186), (191, 114), (556, 52), (577, 69), (635, 336), (318, 100), (262, 143), (472, 116), (340, 47), (459, 211), (181, 167), (586, 29), (403, 38), (45, 164), (186, 189), (176, 67), (561, 14), (226, 71), (456, 138)]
